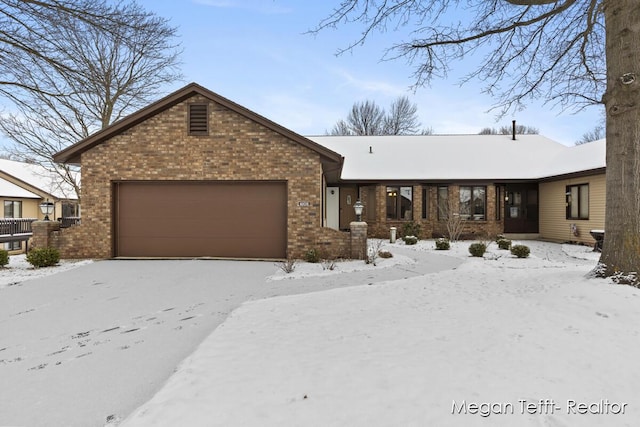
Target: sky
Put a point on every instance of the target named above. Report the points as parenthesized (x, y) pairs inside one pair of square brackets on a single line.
[(258, 53)]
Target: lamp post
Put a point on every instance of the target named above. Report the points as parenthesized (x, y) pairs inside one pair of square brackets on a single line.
[(46, 208), (358, 207)]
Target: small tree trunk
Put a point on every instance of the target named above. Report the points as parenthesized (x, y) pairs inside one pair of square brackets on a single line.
[(621, 251)]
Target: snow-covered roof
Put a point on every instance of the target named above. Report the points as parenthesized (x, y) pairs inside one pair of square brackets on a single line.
[(459, 157), (38, 177), (10, 190)]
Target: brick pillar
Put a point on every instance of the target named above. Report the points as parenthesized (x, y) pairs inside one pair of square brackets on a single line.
[(43, 233), (358, 240)]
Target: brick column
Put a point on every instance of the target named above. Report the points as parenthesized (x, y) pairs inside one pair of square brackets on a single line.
[(43, 233), (358, 240)]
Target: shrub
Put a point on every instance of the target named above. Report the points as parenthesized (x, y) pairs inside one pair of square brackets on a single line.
[(328, 264), (500, 237), (443, 244), (4, 257), (411, 229), (288, 266), (385, 254), (521, 251), (410, 240), (477, 249), (504, 243), (312, 255), (43, 257)]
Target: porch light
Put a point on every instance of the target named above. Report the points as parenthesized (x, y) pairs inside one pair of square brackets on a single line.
[(46, 208), (358, 207)]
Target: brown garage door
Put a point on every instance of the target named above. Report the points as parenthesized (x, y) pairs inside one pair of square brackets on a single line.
[(193, 219)]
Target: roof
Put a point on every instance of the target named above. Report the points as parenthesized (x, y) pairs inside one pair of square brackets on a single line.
[(10, 190), (72, 154), (459, 157), (36, 178)]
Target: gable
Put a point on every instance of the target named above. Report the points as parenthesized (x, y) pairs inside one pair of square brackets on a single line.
[(73, 153)]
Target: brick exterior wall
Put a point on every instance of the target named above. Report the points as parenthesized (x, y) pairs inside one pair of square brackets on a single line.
[(236, 148), (431, 226)]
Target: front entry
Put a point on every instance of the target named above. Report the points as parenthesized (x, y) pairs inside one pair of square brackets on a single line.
[(348, 196), (521, 208)]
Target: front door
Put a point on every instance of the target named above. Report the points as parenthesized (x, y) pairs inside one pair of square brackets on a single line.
[(521, 208), (348, 196)]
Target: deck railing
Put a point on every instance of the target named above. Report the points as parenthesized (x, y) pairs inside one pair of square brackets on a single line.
[(15, 226), (69, 221)]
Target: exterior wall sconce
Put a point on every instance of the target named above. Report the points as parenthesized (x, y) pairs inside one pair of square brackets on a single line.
[(46, 208), (358, 207)]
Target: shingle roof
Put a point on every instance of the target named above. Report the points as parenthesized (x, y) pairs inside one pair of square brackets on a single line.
[(460, 157), (38, 177), (10, 190)]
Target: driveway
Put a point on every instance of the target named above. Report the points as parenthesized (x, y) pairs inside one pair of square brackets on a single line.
[(87, 346)]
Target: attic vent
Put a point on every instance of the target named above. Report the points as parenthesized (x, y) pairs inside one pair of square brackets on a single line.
[(198, 119)]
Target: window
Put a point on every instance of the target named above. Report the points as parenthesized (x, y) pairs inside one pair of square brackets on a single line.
[(425, 202), (443, 202), (13, 209), (198, 119), (70, 209), (370, 210), (400, 203), (498, 205), (577, 201), (473, 201)]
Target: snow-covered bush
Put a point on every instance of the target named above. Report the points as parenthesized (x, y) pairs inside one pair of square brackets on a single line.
[(385, 254), (4, 257), (410, 240), (411, 229), (477, 249), (504, 243), (443, 244), (43, 257), (521, 251)]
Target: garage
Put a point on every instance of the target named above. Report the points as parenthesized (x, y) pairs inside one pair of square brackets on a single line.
[(229, 219)]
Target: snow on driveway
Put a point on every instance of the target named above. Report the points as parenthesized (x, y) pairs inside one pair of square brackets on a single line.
[(498, 341), (85, 343)]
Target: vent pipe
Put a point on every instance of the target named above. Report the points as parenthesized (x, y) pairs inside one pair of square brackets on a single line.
[(513, 129), (370, 149)]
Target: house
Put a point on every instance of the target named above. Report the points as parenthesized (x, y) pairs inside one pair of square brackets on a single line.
[(195, 174), (523, 185), (23, 186)]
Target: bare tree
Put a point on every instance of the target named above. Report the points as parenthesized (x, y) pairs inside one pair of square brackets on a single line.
[(76, 67), (595, 134), (508, 130), (402, 119), (454, 222), (573, 53), (367, 118)]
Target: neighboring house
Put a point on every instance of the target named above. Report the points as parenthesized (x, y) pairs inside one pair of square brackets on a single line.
[(23, 186), (196, 174)]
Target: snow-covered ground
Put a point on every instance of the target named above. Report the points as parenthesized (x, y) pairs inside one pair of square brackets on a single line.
[(420, 339), (497, 341), (20, 270)]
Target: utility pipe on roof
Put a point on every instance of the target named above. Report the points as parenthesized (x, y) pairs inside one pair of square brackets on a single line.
[(513, 129)]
